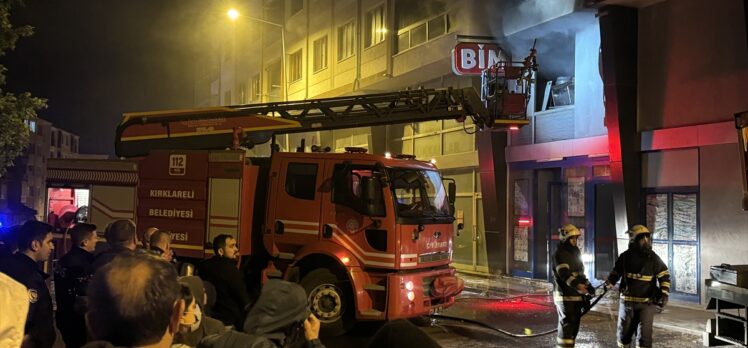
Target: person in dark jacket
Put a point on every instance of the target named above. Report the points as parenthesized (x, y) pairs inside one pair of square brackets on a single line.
[(279, 318), (569, 285), (221, 270), (640, 271), (72, 274), (121, 237), (35, 245)]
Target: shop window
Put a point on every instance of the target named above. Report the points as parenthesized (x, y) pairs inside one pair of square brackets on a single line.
[(601, 170), (673, 219)]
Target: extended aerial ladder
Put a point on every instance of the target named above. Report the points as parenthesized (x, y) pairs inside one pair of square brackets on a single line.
[(249, 125)]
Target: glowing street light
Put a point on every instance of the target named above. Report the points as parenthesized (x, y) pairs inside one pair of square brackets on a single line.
[(233, 14)]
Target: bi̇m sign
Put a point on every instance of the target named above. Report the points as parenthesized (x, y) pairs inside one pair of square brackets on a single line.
[(471, 58)]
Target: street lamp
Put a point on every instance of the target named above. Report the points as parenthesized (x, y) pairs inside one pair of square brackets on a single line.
[(234, 14)]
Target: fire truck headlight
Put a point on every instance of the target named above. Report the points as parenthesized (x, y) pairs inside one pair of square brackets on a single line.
[(411, 296), (409, 286)]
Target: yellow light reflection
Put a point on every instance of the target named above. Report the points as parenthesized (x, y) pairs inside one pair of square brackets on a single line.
[(233, 14)]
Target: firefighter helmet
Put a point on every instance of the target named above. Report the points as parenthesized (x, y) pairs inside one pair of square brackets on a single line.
[(567, 231), (637, 230)]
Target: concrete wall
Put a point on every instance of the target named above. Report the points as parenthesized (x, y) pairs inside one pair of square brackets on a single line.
[(723, 226), (519, 15), (673, 168), (693, 63), (589, 110)]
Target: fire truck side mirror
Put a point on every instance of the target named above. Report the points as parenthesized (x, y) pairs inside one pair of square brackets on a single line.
[(371, 189), (452, 192)]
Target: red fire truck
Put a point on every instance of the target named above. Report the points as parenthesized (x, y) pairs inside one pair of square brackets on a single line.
[(368, 236)]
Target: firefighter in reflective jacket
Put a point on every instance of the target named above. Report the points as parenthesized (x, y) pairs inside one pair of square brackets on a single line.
[(569, 285), (645, 283)]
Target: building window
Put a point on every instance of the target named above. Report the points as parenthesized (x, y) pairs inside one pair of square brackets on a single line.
[(301, 180), (242, 93), (296, 6), (227, 97), (320, 54), (673, 219), (273, 72), (294, 66), (32, 125), (256, 93), (346, 36), (375, 29), (423, 31)]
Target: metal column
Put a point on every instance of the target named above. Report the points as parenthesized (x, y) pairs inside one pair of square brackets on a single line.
[(493, 179), (618, 44)]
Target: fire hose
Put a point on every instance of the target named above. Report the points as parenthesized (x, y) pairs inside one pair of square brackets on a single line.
[(591, 299)]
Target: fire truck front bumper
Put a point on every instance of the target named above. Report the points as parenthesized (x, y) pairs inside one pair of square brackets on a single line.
[(422, 293)]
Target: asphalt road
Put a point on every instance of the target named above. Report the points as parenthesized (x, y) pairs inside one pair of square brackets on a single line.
[(531, 316)]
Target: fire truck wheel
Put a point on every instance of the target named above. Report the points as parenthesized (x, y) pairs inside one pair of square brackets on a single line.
[(330, 301)]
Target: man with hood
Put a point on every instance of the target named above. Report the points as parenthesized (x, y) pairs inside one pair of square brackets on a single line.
[(569, 285), (203, 325), (279, 318), (640, 271)]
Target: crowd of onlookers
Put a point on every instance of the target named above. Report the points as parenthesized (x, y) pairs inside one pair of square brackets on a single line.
[(123, 293)]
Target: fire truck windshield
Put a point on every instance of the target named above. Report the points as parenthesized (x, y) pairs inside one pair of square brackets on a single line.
[(418, 193)]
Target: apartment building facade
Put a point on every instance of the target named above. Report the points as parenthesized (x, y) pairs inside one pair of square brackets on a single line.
[(342, 48), (587, 149), (25, 183)]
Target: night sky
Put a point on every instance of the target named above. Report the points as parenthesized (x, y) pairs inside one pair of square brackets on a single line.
[(96, 59)]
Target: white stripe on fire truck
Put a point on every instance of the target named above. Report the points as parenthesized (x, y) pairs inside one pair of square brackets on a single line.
[(220, 221), (301, 231), (342, 234), (408, 264), (109, 213), (303, 223), (408, 256), (364, 260)]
